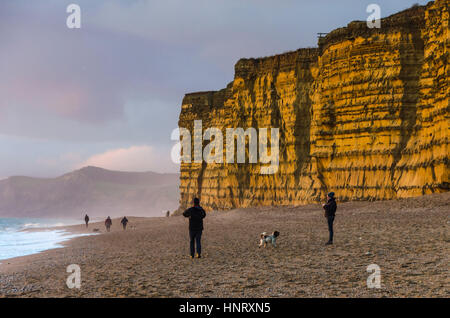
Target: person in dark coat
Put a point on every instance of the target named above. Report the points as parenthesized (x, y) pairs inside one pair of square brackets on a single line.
[(86, 219), (124, 222), (108, 223), (196, 214), (330, 211)]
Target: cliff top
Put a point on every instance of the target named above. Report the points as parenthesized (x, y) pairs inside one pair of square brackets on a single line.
[(407, 19)]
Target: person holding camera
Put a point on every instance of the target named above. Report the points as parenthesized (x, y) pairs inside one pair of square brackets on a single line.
[(196, 214)]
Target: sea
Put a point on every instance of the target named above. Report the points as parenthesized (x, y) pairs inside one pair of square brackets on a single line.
[(16, 241)]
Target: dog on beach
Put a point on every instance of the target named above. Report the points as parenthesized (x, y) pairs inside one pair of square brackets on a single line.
[(96, 230), (265, 238)]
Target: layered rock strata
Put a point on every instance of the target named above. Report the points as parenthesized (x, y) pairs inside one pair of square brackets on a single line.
[(364, 115)]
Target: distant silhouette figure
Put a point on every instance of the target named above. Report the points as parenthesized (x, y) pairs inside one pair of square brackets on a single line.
[(86, 219), (330, 211), (196, 214), (108, 223), (167, 213), (124, 222)]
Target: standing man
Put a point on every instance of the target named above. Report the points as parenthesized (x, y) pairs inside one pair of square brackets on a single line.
[(330, 211), (124, 222), (196, 214), (108, 223), (86, 219)]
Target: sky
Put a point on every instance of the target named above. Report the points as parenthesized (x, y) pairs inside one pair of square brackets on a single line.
[(109, 93)]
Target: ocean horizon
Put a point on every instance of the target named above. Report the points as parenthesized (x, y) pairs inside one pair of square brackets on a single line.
[(15, 241)]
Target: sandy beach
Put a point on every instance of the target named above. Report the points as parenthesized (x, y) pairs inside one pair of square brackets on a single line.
[(408, 239)]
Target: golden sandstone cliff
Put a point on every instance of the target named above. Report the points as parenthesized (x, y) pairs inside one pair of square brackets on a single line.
[(364, 115)]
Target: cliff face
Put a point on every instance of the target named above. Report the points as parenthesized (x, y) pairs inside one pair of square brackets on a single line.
[(364, 115)]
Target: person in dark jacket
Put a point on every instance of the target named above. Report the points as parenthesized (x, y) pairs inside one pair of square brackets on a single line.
[(86, 219), (196, 214), (124, 222), (330, 212), (108, 223)]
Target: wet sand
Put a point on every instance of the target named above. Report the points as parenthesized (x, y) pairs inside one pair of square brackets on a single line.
[(408, 239)]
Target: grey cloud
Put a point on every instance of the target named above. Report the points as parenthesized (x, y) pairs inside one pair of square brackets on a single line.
[(120, 79)]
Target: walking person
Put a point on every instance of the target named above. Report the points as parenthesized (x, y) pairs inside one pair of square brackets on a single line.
[(196, 214), (330, 211), (124, 222), (86, 219), (108, 223)]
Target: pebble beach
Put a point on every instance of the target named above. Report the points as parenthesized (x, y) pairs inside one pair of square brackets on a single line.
[(408, 239)]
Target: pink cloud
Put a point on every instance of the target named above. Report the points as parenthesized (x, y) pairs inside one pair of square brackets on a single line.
[(134, 158)]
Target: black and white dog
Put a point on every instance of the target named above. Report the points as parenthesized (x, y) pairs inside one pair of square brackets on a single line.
[(269, 239)]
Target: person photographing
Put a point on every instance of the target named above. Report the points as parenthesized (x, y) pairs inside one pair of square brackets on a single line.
[(196, 214)]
